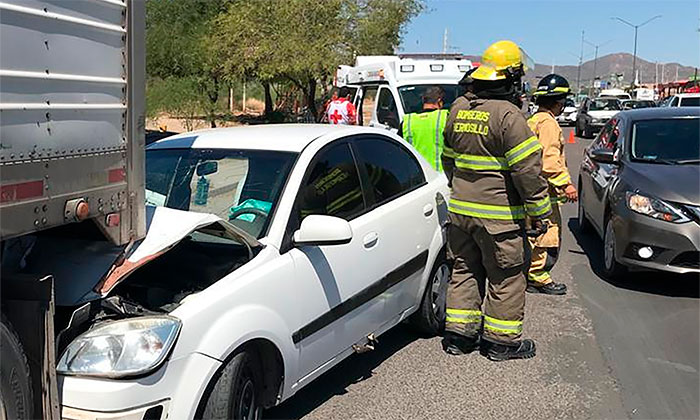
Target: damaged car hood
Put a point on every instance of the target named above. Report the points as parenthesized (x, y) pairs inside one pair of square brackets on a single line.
[(165, 228)]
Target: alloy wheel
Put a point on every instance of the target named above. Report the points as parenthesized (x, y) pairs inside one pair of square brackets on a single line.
[(439, 290), (609, 246)]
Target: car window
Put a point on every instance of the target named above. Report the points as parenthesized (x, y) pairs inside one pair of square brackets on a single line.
[(605, 104), (386, 109), (607, 138), (674, 101), (391, 169), (369, 97), (333, 186), (666, 140), (690, 101)]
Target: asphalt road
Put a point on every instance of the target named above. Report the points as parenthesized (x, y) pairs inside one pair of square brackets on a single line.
[(627, 349)]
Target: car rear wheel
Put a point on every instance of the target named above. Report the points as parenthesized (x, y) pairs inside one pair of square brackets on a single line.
[(611, 268), (430, 317), (584, 225), (236, 392)]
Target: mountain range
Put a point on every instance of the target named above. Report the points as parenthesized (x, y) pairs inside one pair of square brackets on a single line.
[(611, 64)]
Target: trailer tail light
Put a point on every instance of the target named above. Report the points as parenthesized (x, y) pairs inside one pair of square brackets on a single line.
[(113, 219), (436, 67), (407, 68)]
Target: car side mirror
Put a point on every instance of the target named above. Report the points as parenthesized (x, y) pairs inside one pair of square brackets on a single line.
[(603, 155), (323, 230)]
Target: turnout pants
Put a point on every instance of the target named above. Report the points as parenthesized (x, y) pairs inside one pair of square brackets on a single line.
[(545, 249), (494, 309)]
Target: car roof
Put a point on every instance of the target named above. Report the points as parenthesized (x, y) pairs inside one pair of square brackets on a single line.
[(275, 137), (687, 95), (666, 112)]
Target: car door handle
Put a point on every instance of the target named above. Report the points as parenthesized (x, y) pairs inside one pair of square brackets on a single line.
[(428, 210), (370, 240)]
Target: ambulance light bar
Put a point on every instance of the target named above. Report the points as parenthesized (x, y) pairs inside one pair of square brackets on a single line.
[(407, 68), (436, 67), (463, 69)]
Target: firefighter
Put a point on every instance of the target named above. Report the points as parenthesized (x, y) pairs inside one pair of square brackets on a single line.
[(341, 110), (550, 98), (424, 129), (494, 164)]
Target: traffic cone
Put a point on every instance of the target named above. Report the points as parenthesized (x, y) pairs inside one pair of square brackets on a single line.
[(572, 140)]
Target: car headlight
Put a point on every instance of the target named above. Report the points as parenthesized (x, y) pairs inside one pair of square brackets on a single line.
[(653, 207), (121, 348), (595, 120)]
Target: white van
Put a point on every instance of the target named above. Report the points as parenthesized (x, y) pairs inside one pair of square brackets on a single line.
[(614, 93), (386, 88)]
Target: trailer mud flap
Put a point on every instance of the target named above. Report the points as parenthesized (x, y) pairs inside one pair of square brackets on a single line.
[(28, 303)]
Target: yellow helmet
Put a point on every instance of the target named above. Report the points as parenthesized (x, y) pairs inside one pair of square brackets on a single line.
[(499, 59)]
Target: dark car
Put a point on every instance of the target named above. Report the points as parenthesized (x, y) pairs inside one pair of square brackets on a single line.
[(594, 113), (640, 190), (637, 104)]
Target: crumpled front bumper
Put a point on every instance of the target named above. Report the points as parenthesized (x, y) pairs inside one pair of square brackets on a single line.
[(171, 392)]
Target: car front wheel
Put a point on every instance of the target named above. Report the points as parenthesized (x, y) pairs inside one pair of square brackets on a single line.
[(430, 317), (611, 268), (236, 391)]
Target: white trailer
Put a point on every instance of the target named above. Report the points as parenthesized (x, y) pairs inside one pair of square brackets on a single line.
[(389, 87)]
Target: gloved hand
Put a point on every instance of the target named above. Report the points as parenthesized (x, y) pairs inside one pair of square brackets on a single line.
[(537, 227)]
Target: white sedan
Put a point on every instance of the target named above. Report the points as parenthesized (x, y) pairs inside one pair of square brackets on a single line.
[(273, 253)]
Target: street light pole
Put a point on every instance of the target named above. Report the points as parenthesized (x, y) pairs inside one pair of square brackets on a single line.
[(636, 27)]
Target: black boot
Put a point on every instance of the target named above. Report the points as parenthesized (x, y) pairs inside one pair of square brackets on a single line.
[(499, 352), (457, 345), (550, 288)]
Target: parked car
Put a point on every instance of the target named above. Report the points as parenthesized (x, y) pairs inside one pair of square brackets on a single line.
[(568, 115), (682, 99), (637, 103), (594, 113), (639, 190), (273, 253)]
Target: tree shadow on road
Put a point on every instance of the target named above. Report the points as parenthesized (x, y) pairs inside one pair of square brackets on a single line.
[(653, 282), (354, 369)]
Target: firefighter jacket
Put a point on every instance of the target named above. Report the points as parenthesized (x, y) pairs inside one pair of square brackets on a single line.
[(494, 163), (424, 131), (554, 167)]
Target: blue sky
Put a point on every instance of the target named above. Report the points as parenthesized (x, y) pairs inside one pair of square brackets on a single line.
[(551, 30)]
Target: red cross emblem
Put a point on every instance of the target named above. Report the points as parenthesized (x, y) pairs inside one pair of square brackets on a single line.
[(335, 117)]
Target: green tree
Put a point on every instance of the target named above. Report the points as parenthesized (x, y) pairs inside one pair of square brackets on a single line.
[(180, 45), (303, 41)]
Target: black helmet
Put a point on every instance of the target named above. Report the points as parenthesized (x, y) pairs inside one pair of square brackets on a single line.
[(552, 85)]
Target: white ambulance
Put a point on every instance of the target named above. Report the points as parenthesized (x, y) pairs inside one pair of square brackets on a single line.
[(386, 88)]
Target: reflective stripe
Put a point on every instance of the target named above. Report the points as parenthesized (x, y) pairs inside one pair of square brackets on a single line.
[(343, 200), (437, 141), (486, 211), (481, 163), (502, 326), (463, 316), (557, 200), (560, 180), (539, 207), (561, 89), (408, 129), (556, 89), (448, 152), (538, 276), (523, 150)]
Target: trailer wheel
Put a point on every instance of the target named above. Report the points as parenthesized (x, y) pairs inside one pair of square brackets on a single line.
[(15, 389)]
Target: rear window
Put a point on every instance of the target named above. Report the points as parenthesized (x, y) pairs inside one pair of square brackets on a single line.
[(692, 101)]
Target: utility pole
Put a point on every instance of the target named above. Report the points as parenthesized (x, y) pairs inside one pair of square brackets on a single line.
[(580, 61), (444, 42), (636, 27), (595, 59)]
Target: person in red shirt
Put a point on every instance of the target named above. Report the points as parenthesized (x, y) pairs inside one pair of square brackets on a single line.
[(341, 110)]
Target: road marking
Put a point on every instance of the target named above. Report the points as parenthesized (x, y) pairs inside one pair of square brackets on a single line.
[(679, 366)]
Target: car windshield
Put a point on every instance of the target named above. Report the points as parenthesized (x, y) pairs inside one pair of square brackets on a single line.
[(412, 96), (241, 186), (667, 141), (605, 104), (570, 103), (690, 101)]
